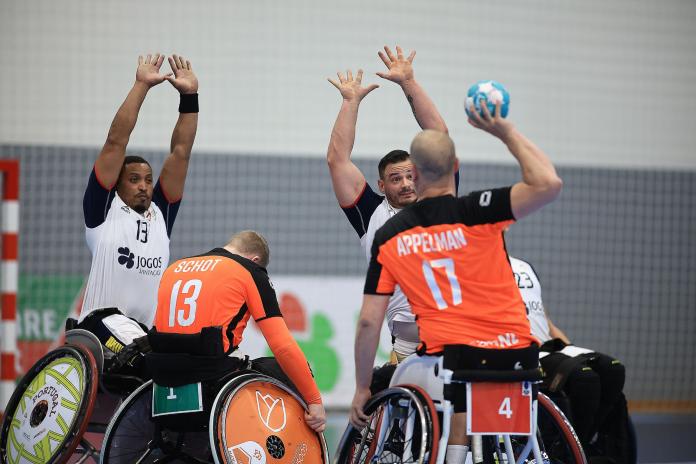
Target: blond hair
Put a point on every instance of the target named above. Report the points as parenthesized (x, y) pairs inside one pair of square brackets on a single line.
[(250, 243)]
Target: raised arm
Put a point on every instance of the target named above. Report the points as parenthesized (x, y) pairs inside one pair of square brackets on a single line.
[(400, 70), (346, 178), (540, 184), (110, 159), (175, 167)]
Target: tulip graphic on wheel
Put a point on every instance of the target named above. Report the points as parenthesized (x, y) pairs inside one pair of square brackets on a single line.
[(271, 411)]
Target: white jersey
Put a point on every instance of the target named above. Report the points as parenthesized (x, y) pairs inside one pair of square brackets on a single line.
[(398, 309), (367, 215), (530, 289), (129, 252)]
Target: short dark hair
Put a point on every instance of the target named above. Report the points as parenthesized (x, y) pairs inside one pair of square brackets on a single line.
[(135, 159), (394, 156)]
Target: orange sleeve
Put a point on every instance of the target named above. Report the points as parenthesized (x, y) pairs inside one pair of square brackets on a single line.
[(290, 357)]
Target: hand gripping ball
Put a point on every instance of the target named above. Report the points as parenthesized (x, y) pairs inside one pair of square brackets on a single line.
[(490, 92)]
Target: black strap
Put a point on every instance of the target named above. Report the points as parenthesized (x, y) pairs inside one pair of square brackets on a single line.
[(476, 375), (207, 342), (553, 345), (565, 369), (175, 369)]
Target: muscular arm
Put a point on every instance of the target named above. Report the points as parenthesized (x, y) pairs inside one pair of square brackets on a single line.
[(175, 167), (424, 110), (540, 184), (400, 71), (110, 159), (366, 340), (346, 178)]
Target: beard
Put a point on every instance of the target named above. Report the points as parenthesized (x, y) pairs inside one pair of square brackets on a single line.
[(140, 209), (140, 206), (398, 201)]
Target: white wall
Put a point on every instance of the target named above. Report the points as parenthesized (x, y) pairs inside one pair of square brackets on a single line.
[(593, 82)]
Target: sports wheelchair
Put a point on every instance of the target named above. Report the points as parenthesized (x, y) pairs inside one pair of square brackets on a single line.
[(409, 421), (66, 394), (190, 413)]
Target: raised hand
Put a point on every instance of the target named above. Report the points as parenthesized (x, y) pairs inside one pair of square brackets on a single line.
[(350, 88), (148, 71), (494, 124), (184, 80), (400, 69)]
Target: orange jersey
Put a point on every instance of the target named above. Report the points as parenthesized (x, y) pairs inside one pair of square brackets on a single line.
[(221, 289), (215, 289), (448, 256)]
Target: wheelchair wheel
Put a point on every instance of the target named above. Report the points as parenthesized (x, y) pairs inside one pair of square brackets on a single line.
[(50, 408), (132, 436), (402, 428), (557, 440), (255, 418)]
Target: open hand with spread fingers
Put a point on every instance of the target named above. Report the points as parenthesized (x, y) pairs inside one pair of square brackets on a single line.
[(351, 89), (184, 80), (400, 69), (148, 71)]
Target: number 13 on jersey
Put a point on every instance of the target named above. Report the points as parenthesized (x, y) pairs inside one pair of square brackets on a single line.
[(499, 408), (190, 290)]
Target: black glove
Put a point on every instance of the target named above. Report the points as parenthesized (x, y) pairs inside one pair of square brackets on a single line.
[(131, 355)]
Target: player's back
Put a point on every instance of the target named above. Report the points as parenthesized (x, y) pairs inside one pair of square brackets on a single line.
[(214, 289), (448, 255)]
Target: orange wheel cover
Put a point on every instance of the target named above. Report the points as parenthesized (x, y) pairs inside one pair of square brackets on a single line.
[(262, 423)]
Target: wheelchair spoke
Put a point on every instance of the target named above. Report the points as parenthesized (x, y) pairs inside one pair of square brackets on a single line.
[(398, 432)]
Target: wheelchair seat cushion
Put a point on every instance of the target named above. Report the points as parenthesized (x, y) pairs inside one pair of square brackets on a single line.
[(207, 342), (459, 357)]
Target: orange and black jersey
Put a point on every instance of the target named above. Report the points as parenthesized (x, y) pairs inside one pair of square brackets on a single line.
[(222, 289), (448, 256), (215, 289)]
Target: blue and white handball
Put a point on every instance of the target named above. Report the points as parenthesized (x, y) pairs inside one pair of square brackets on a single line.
[(490, 92)]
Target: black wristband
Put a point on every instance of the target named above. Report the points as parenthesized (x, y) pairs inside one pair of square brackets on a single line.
[(188, 103)]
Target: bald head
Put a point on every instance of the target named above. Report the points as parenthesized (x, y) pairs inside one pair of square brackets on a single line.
[(251, 245), (432, 152)]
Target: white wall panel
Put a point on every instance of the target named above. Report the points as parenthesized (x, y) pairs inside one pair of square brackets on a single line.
[(593, 82)]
